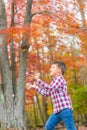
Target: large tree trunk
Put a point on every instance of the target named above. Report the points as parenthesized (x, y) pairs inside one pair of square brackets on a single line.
[(12, 111), (6, 75), (2, 106), (20, 97), (20, 94)]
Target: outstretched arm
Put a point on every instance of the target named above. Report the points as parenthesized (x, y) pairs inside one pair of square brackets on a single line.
[(55, 84), (43, 91)]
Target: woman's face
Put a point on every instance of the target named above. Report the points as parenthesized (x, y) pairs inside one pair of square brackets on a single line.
[(54, 70)]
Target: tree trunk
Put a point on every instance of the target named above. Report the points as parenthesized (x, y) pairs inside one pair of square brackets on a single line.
[(35, 117), (7, 82), (2, 107), (14, 114), (40, 111), (20, 94)]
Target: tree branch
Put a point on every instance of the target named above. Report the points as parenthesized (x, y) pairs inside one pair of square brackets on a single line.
[(41, 12)]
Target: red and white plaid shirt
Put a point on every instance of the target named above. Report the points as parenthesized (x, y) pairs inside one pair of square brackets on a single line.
[(57, 89)]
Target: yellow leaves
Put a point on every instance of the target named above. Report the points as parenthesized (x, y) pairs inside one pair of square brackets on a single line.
[(49, 106)]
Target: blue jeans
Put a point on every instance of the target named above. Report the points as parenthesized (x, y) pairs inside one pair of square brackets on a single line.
[(64, 116)]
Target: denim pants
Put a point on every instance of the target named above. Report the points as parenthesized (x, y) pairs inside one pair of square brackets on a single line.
[(65, 116)]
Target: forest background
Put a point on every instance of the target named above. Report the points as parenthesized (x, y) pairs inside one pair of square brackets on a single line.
[(33, 34)]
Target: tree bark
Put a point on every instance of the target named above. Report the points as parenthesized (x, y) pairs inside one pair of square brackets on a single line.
[(20, 94), (7, 82), (14, 109), (13, 63)]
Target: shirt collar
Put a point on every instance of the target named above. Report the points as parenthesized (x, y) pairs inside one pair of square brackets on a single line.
[(56, 77)]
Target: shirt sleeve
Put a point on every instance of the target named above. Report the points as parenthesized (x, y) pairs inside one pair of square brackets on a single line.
[(43, 91), (55, 84)]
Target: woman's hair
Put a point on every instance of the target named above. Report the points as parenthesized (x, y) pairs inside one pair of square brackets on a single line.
[(61, 65)]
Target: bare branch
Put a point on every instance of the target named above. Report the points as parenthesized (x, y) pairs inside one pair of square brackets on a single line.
[(19, 9), (41, 12)]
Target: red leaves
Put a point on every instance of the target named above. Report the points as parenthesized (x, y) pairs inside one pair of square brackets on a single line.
[(29, 93)]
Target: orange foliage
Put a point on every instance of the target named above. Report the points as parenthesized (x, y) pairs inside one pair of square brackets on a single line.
[(39, 35), (29, 93)]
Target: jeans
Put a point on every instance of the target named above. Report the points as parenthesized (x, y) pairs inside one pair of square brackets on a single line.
[(65, 116)]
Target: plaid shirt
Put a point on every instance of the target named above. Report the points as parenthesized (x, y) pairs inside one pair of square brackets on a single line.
[(57, 89)]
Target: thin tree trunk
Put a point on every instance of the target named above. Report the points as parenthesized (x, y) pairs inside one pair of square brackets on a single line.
[(40, 111), (35, 117), (13, 63), (39, 107)]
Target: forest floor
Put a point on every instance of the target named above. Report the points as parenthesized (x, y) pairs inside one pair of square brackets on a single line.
[(79, 128)]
